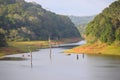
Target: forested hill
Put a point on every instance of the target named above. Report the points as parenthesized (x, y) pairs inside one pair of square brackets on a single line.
[(20, 21), (106, 26)]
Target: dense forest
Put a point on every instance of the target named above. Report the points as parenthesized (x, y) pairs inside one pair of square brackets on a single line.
[(23, 21), (106, 26)]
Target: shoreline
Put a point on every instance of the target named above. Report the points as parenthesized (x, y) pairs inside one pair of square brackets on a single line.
[(96, 48), (22, 47)]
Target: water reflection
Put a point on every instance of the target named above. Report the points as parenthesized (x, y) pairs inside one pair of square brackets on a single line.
[(50, 55), (77, 57), (83, 55)]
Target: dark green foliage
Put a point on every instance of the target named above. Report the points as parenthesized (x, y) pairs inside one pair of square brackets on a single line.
[(106, 26), (2, 40), (117, 33), (29, 21)]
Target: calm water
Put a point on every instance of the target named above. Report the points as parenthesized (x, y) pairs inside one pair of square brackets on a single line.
[(61, 67)]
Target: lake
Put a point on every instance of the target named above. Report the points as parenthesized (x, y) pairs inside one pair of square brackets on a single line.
[(60, 67)]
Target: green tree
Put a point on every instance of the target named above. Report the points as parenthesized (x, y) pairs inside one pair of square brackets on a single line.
[(2, 40), (38, 23), (106, 26), (117, 34)]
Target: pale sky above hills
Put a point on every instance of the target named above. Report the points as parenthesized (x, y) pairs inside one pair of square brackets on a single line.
[(74, 7)]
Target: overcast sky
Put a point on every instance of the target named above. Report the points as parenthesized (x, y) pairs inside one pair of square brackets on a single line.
[(74, 7)]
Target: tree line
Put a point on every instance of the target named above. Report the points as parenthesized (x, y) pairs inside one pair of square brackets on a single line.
[(23, 21), (106, 26)]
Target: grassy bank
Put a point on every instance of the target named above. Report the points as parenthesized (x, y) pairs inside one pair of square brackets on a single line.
[(22, 47), (96, 48)]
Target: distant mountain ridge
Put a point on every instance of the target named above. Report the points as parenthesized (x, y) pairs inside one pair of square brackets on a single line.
[(81, 20), (21, 21)]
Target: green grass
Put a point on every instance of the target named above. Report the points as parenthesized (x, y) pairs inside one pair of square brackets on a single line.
[(2, 54), (96, 48), (33, 45), (21, 47), (112, 49)]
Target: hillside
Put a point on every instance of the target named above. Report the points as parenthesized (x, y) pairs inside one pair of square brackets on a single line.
[(106, 26), (81, 22), (103, 33), (22, 21)]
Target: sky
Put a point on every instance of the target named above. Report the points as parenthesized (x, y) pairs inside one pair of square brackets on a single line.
[(74, 7)]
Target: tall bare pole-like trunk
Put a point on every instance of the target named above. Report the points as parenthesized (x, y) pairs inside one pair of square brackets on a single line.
[(30, 56), (50, 48)]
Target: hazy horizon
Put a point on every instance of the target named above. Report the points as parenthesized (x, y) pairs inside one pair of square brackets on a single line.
[(75, 8)]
